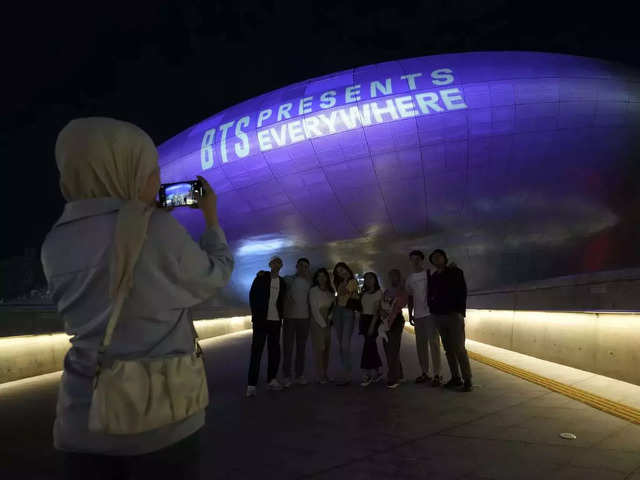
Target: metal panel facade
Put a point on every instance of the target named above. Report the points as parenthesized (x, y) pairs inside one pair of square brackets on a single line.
[(523, 165)]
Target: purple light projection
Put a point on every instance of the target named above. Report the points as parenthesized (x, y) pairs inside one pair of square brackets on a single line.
[(502, 157)]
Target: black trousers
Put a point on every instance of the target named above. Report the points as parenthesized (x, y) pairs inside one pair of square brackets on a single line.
[(451, 328), (180, 460), (370, 356), (294, 330), (264, 331)]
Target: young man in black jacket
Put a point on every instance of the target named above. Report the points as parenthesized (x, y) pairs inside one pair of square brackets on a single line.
[(447, 297), (266, 299)]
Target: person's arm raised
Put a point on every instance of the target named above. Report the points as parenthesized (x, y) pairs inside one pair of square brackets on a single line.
[(209, 265), (208, 204)]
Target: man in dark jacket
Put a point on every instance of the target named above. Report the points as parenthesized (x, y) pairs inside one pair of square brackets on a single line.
[(266, 299), (447, 298)]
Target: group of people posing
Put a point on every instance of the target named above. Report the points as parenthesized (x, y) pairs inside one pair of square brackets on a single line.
[(303, 304)]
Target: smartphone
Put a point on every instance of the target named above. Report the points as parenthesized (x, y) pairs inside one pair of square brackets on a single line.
[(180, 194)]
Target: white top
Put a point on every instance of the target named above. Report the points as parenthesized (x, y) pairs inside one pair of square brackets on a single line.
[(320, 302), (417, 288), (173, 273), (371, 302), (272, 313), (297, 301)]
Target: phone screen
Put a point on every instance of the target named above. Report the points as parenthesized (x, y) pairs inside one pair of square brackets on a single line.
[(181, 194)]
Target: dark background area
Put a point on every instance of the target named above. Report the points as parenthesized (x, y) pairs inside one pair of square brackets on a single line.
[(167, 65)]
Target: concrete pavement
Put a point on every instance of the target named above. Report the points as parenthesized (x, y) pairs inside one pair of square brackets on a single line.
[(506, 429)]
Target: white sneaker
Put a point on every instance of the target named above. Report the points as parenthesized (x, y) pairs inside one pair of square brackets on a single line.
[(286, 382), (323, 381), (251, 391), (366, 381), (376, 378), (301, 381), (274, 385)]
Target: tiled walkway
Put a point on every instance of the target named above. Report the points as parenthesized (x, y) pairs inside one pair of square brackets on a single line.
[(506, 429)]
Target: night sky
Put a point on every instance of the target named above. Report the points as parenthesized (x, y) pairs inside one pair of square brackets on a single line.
[(167, 65)]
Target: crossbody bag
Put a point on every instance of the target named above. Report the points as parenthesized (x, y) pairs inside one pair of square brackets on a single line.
[(137, 395)]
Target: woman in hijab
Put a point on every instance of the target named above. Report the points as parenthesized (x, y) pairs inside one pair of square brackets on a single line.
[(111, 242)]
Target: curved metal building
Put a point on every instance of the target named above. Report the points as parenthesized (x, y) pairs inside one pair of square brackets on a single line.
[(523, 166)]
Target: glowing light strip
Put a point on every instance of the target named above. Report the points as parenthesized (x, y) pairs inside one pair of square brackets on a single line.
[(55, 376), (13, 386), (28, 356)]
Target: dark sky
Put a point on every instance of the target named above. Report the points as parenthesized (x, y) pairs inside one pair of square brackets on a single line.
[(167, 65)]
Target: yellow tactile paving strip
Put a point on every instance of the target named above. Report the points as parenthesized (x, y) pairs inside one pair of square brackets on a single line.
[(609, 406)]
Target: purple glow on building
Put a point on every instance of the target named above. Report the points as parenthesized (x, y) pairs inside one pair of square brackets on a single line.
[(486, 148)]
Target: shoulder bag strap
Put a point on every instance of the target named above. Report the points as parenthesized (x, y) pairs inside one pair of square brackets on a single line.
[(108, 333)]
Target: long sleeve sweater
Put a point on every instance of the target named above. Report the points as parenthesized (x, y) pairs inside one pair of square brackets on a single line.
[(320, 302), (173, 273)]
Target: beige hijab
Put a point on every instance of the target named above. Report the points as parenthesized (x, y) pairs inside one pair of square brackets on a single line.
[(103, 157)]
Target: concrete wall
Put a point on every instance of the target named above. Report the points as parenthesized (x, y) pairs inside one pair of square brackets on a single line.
[(30, 355), (568, 320), (602, 343), (27, 356), (617, 290)]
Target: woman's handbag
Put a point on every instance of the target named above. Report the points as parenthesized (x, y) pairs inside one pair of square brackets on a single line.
[(137, 395)]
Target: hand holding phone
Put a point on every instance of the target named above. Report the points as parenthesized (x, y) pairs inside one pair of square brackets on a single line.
[(180, 194), (193, 193)]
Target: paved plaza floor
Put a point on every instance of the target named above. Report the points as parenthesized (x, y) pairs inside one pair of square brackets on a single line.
[(507, 428)]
